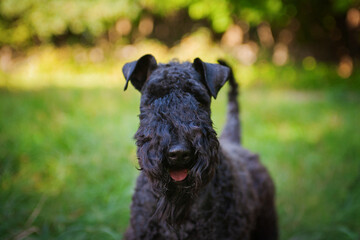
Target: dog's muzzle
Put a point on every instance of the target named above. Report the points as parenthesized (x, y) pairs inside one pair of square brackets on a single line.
[(179, 158)]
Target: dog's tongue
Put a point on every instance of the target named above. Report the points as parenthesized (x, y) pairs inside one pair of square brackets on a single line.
[(178, 175)]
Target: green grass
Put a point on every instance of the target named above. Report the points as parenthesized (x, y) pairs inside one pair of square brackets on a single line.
[(67, 160)]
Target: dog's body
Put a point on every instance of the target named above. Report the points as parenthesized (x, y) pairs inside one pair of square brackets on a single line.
[(193, 186)]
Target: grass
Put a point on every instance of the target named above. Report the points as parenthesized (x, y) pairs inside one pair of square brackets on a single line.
[(67, 160)]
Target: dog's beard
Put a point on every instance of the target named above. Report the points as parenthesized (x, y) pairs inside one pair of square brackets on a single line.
[(175, 199), (175, 204)]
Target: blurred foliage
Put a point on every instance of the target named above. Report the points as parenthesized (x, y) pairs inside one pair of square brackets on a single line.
[(21, 22), (27, 21), (100, 66), (285, 33)]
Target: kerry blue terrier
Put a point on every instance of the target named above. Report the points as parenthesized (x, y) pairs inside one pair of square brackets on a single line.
[(192, 185)]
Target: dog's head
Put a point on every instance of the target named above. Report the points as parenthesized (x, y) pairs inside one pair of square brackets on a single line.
[(177, 145)]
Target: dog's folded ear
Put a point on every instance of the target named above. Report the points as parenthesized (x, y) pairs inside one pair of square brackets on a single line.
[(214, 75), (138, 71)]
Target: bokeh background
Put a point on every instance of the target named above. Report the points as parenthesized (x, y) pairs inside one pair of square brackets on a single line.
[(67, 154)]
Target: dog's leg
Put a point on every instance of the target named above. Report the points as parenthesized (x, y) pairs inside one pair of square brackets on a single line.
[(266, 223)]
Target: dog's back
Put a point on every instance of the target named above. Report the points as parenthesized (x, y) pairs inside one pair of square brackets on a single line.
[(244, 162)]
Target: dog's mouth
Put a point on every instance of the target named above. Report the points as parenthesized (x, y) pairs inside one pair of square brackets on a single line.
[(178, 175)]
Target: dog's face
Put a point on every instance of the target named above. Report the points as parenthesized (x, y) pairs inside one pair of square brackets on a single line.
[(177, 146)]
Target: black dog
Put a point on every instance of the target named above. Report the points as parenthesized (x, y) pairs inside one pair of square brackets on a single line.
[(191, 185)]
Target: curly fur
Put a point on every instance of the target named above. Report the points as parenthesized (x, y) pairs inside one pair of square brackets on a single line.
[(227, 193)]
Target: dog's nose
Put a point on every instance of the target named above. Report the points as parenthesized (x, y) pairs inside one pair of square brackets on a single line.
[(179, 154)]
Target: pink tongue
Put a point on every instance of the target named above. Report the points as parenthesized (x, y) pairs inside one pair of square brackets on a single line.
[(178, 175)]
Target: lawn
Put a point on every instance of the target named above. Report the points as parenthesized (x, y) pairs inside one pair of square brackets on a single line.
[(68, 162)]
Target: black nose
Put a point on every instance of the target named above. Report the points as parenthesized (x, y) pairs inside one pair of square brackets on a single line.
[(179, 155)]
